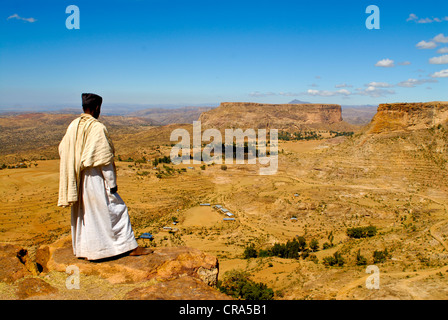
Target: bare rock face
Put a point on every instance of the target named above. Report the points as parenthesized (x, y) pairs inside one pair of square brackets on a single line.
[(276, 116), (14, 263), (32, 287), (164, 264), (408, 116), (177, 290)]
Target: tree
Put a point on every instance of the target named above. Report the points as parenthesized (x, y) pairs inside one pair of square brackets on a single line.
[(314, 245), (250, 252), (238, 284)]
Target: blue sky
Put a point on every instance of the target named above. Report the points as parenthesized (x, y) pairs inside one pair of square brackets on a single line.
[(159, 52)]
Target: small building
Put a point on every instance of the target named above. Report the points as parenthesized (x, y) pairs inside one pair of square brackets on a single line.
[(229, 219), (218, 206), (204, 204), (293, 218), (167, 228), (229, 214), (146, 235), (296, 194), (192, 168)]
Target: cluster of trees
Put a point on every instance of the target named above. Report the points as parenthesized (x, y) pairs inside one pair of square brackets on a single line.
[(361, 232), (238, 284), (301, 135), (20, 165), (164, 159), (293, 249), (343, 133), (338, 260)]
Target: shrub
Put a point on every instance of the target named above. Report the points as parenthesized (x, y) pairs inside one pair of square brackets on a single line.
[(314, 245), (326, 245), (223, 167), (380, 256), (313, 258), (335, 260), (360, 260), (238, 284)]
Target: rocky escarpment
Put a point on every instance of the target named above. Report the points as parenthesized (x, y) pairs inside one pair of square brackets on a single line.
[(167, 273), (408, 116), (276, 116)]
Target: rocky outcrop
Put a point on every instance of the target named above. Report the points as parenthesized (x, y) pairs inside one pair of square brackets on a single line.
[(34, 287), (408, 116), (275, 116), (167, 273), (166, 263), (177, 290), (14, 263)]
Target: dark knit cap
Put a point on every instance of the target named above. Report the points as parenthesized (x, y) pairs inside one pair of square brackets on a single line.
[(91, 100)]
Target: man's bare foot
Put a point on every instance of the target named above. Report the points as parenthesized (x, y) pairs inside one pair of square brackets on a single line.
[(140, 251)]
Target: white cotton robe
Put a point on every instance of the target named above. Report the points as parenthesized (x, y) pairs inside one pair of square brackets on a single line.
[(100, 222)]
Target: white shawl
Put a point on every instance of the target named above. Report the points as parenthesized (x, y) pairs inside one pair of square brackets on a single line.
[(85, 144)]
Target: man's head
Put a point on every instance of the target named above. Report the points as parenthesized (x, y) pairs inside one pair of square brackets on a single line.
[(91, 104)]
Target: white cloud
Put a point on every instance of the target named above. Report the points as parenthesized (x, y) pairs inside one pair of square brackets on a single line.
[(439, 60), (258, 94), (412, 17), (426, 45), (325, 93), (425, 20), (440, 74), (343, 85), (374, 92), (440, 38), (404, 63), (16, 16), (379, 84), (289, 94), (385, 63), (443, 50), (411, 83)]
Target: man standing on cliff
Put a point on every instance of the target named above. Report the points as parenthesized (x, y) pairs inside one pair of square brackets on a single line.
[(100, 222)]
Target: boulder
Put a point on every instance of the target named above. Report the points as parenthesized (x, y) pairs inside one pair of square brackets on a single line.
[(31, 287), (163, 264), (13, 263)]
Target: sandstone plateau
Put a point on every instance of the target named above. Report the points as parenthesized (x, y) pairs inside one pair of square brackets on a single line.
[(276, 116), (408, 116)]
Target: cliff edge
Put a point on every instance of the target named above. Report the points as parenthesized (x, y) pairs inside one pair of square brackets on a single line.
[(277, 116), (169, 273), (408, 116)]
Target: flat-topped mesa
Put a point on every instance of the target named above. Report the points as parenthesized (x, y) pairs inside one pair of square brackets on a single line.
[(278, 116), (408, 116)]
